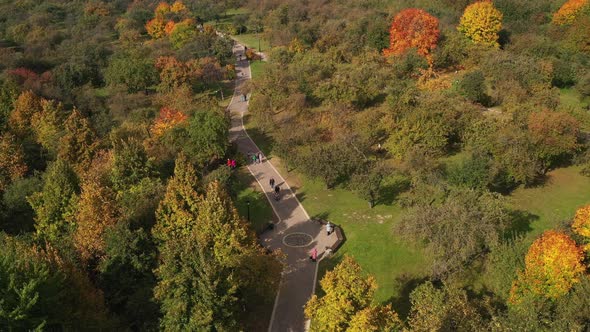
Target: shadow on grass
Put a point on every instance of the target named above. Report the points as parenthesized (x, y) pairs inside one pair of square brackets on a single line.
[(401, 302), (262, 140), (520, 223), (390, 191)]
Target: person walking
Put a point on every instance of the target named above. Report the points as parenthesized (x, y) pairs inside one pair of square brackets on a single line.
[(228, 163), (272, 183), (277, 191), (233, 163), (314, 254), (329, 228), (254, 158), (259, 156)]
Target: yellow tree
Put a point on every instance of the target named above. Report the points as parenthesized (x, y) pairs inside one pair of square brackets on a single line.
[(97, 210), (25, 106), (47, 125), (570, 10), (553, 265), (375, 318), (581, 224), (347, 301), (78, 144), (481, 22)]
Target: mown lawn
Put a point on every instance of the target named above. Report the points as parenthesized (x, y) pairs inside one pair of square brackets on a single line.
[(251, 40), (571, 97), (257, 67), (246, 189)]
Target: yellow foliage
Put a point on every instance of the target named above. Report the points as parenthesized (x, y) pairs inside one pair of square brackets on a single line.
[(553, 265), (481, 22), (568, 13), (581, 224), (178, 7)]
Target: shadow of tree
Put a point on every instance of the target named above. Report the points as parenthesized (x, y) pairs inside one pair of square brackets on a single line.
[(389, 191), (401, 302), (520, 223)]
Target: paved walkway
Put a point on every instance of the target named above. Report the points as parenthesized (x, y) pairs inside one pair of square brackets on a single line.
[(299, 277)]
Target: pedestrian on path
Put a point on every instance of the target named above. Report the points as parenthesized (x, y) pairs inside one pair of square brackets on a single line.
[(259, 157), (254, 158), (277, 191), (329, 228), (228, 163), (314, 255), (245, 97), (272, 183), (233, 163)]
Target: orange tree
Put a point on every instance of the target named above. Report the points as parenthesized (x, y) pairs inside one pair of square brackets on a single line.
[(413, 28), (481, 23), (570, 10), (553, 265), (581, 224)]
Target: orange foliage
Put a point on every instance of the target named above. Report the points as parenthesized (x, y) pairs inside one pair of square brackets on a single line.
[(166, 120), (581, 224), (12, 161), (162, 9), (568, 13), (175, 73), (169, 27), (156, 28), (413, 28), (25, 106), (553, 265)]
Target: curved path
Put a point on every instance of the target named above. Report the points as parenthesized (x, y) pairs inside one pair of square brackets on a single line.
[(299, 276)]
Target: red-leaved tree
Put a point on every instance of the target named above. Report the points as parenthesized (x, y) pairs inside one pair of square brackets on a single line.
[(413, 28)]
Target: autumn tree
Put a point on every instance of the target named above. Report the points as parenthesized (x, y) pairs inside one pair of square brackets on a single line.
[(12, 161), (569, 11), (581, 224), (346, 305), (40, 290), (78, 144), (97, 210), (8, 94), (55, 204), (553, 265), (47, 125), (481, 22), (156, 28), (25, 106), (167, 119), (553, 134), (413, 28), (182, 33)]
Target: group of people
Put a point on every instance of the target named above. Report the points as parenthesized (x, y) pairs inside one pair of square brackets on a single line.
[(231, 163), (255, 157), (277, 188)]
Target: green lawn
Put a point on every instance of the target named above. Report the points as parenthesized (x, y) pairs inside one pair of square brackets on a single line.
[(571, 97), (557, 200), (246, 189), (257, 67), (251, 40)]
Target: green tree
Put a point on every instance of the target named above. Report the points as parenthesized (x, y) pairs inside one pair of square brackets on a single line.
[(367, 183), (17, 216), (130, 164), (8, 95), (12, 163), (134, 70), (47, 125), (54, 205), (472, 86), (207, 137)]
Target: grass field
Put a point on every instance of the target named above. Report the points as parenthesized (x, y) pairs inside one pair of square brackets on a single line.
[(257, 67), (251, 40), (571, 97), (246, 190)]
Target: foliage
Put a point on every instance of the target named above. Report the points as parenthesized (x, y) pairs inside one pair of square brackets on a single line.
[(207, 137), (413, 28), (25, 106), (568, 12), (79, 142), (54, 204), (553, 265), (460, 228), (472, 86), (12, 163), (581, 224), (135, 71), (182, 33), (166, 120), (346, 305), (481, 22), (367, 183), (17, 216), (47, 125), (156, 28)]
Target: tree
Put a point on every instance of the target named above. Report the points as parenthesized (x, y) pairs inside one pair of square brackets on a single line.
[(156, 28), (472, 86), (97, 211), (40, 290), (581, 224), (553, 265), (182, 33), (17, 217), (130, 164), (8, 95), (12, 161), (464, 225), (445, 309), (207, 137), (346, 305), (167, 119), (569, 11), (25, 106), (481, 22), (413, 28), (135, 71), (553, 134), (47, 125), (54, 205), (79, 143), (367, 183)]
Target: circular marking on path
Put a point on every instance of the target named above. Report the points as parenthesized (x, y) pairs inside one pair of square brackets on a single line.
[(297, 239)]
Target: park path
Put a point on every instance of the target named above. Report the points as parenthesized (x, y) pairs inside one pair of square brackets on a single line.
[(299, 275)]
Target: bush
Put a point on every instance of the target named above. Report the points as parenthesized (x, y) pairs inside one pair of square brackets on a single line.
[(472, 86)]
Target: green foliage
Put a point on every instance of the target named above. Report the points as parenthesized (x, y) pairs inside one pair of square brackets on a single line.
[(133, 70), (472, 86), (464, 225), (54, 204), (130, 164), (503, 263), (475, 172), (182, 33), (206, 137), (332, 162), (367, 183), (17, 215), (8, 94)]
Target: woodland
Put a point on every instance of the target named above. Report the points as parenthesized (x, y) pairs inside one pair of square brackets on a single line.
[(117, 211)]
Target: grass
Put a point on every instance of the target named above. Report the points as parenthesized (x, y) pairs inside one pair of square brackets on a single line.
[(572, 97), (257, 67), (251, 40), (555, 201), (246, 191)]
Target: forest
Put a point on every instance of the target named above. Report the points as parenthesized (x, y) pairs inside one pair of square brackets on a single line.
[(448, 139)]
